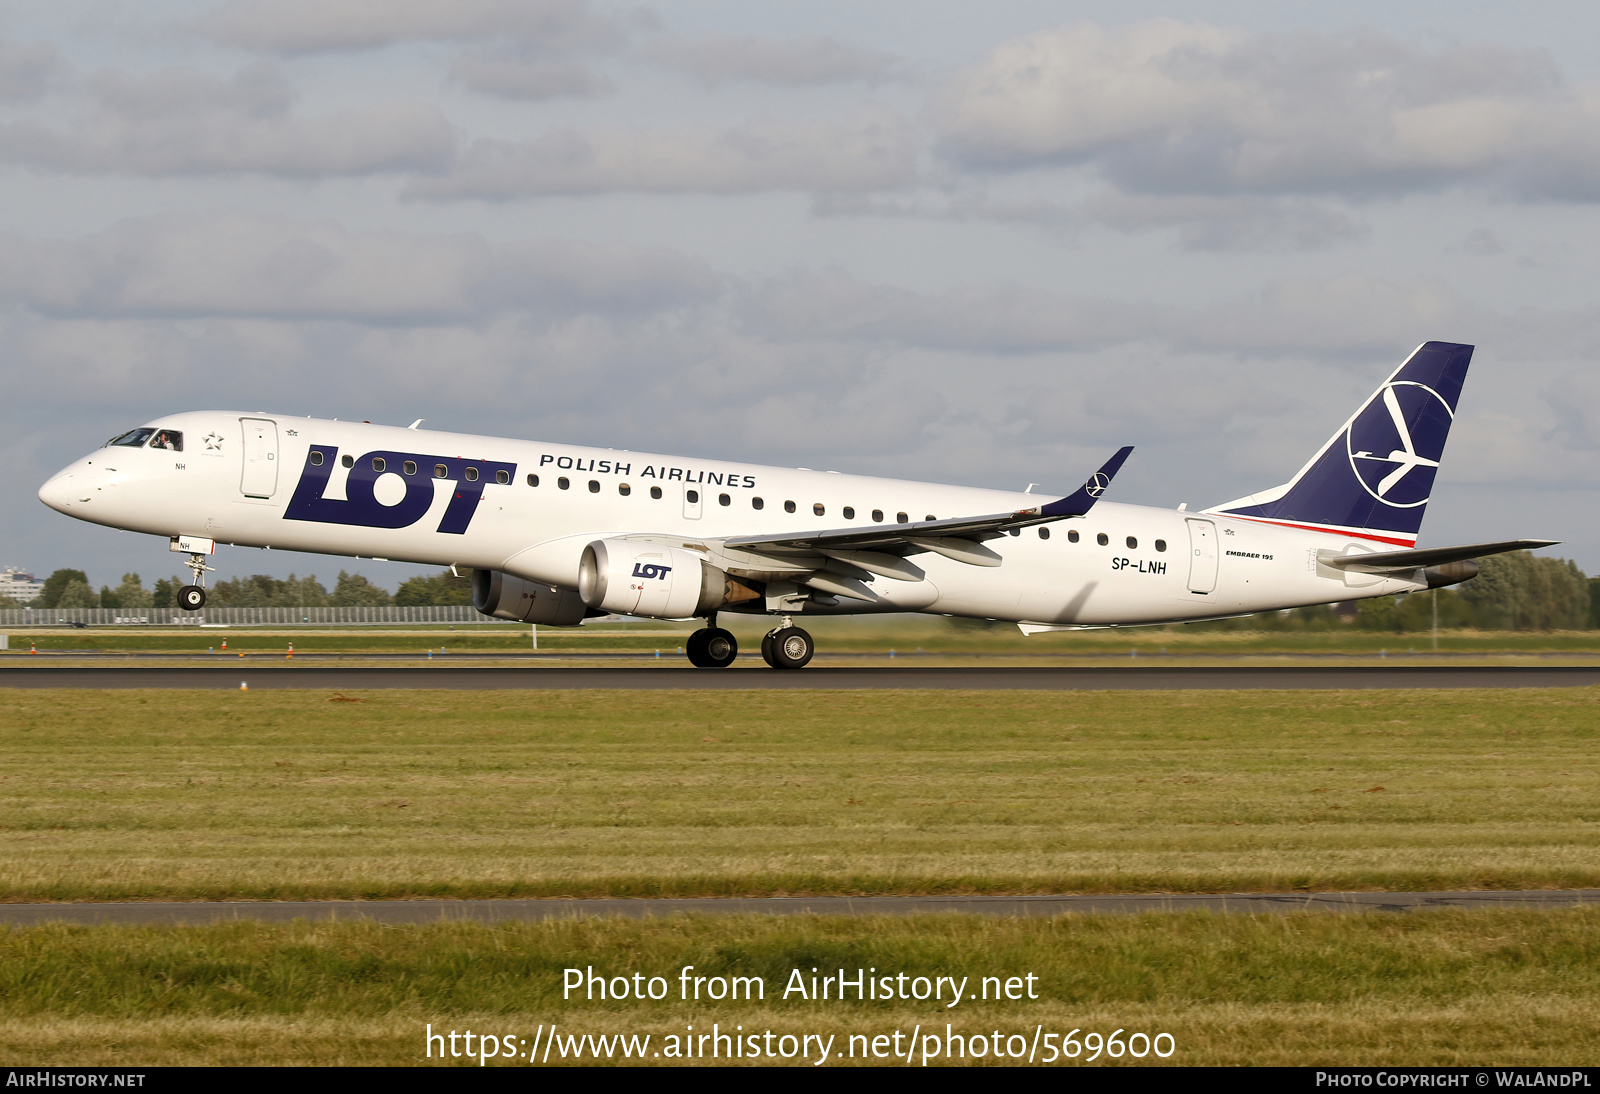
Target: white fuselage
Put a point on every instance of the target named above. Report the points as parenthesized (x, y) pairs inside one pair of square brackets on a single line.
[(1156, 565)]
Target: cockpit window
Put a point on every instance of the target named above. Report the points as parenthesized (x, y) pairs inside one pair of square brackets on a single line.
[(133, 438), (169, 439)]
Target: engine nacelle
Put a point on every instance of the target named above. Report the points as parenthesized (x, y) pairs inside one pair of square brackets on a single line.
[(507, 597), (633, 577)]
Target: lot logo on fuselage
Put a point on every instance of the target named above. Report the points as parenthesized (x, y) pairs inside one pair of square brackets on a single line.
[(1395, 443), (651, 569), (383, 474)]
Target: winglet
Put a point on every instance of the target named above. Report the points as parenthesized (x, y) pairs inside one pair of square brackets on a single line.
[(1079, 503)]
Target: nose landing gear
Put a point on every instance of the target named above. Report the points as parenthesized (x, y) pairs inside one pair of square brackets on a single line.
[(191, 598)]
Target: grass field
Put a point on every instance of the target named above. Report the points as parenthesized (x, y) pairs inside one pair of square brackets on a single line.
[(279, 794), (1443, 987), (283, 794), (869, 637)]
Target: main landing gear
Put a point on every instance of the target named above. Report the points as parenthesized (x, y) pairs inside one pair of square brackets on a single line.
[(787, 646), (711, 647), (784, 647), (191, 598)]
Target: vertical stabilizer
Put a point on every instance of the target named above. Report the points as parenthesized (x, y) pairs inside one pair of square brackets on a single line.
[(1373, 478)]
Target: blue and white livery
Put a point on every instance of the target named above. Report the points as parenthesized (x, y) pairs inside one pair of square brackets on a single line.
[(557, 533)]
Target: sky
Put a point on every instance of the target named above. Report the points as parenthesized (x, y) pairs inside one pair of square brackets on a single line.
[(983, 244)]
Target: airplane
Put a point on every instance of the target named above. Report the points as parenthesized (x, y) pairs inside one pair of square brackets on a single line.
[(559, 533)]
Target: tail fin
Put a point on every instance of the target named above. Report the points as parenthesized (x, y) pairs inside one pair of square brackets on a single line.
[(1373, 478)]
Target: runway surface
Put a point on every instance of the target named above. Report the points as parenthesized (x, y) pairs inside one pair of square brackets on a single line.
[(670, 678), (501, 911)]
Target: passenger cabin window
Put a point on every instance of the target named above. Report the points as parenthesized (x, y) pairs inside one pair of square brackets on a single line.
[(472, 474), (1044, 533), (170, 439), (930, 516), (440, 471), (501, 477), (594, 486), (1102, 539), (877, 516), (533, 480), (133, 438), (350, 461), (378, 464), (624, 489), (316, 458), (901, 518), (692, 497), (1161, 545), (1132, 542), (757, 503), (563, 482), (849, 513), (655, 492), (818, 509), (409, 467), (723, 499), (1072, 535), (1014, 531), (788, 507)]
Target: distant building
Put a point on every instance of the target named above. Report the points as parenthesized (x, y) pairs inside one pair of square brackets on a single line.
[(19, 586)]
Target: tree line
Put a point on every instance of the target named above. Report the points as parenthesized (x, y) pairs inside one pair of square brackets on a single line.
[(72, 589), (1517, 591)]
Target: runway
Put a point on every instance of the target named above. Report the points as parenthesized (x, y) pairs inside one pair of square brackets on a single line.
[(674, 677), (504, 911)]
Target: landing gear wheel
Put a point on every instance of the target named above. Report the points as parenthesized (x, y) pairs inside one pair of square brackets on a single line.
[(191, 598), (711, 648), (788, 648)]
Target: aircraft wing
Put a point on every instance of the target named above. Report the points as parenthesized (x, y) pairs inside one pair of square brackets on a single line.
[(958, 538), (1383, 562)]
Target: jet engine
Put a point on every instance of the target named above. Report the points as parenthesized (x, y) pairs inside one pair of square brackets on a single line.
[(507, 597), (635, 577)]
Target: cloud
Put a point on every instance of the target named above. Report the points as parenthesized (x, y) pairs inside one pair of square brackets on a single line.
[(876, 151), (783, 62), (1331, 318), (514, 76), (310, 26), (27, 69), (1188, 108), (180, 121), (188, 266)]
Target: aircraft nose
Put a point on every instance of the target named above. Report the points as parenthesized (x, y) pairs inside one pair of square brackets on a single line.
[(58, 491)]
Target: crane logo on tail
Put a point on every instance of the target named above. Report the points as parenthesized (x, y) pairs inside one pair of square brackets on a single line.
[(1395, 443)]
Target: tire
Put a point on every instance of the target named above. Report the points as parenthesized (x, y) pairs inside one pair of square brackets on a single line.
[(711, 648), (766, 650), (791, 648), (721, 648), (191, 598)]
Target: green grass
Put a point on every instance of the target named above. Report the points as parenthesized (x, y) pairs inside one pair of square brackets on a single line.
[(150, 795), (905, 635), (1445, 987)]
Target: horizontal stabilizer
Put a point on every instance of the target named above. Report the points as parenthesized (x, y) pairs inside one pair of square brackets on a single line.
[(1386, 562)]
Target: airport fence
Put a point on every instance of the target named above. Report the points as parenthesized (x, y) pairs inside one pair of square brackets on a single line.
[(242, 617)]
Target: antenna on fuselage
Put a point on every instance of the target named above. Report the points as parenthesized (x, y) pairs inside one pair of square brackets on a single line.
[(416, 423)]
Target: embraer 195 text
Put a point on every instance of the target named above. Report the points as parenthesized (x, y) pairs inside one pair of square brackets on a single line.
[(558, 533)]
